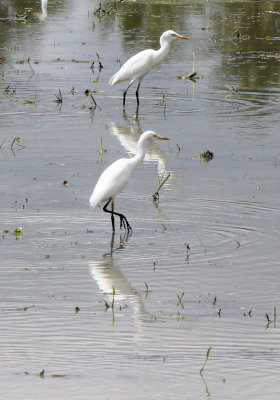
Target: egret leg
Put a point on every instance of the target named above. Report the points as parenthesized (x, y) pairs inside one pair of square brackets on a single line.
[(137, 91), (124, 93), (112, 217), (123, 221)]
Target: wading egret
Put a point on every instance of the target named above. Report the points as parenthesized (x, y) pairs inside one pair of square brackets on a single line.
[(113, 180), (141, 63)]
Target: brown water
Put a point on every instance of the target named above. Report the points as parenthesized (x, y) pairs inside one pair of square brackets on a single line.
[(227, 210)]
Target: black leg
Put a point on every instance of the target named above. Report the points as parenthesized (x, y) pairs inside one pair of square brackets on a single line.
[(123, 221), (124, 93), (137, 91), (112, 217)]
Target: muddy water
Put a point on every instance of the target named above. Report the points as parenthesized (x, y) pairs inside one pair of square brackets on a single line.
[(201, 267)]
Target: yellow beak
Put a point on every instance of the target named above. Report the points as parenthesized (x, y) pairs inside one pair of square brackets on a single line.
[(180, 36), (161, 137)]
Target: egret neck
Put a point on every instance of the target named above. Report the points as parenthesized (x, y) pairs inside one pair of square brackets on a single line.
[(162, 52), (142, 147)]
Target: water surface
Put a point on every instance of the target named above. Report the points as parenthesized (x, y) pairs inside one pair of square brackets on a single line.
[(201, 267)]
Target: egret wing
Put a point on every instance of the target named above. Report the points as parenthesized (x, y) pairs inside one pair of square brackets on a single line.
[(112, 181), (135, 68)]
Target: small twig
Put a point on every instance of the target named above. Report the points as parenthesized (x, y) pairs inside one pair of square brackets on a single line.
[(30, 66)]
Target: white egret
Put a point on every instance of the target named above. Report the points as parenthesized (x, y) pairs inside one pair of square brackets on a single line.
[(113, 180), (141, 63)]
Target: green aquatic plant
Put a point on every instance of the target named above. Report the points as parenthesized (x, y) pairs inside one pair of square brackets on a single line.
[(206, 359), (113, 294), (180, 298), (16, 141), (26, 102), (162, 181), (30, 66)]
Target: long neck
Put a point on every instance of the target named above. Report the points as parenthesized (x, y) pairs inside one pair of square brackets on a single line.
[(162, 52), (140, 154)]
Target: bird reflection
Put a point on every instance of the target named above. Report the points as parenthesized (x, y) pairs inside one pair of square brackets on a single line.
[(128, 136), (44, 14), (107, 276)]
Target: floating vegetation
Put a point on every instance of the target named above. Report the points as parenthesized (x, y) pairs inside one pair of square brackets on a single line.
[(26, 102), (162, 181), (232, 90), (193, 76), (206, 155), (269, 321), (16, 141), (24, 17), (9, 92), (237, 34), (18, 230), (100, 66), (101, 11), (206, 359), (30, 66), (188, 252), (107, 305), (147, 290), (58, 97), (249, 314), (89, 95), (180, 300)]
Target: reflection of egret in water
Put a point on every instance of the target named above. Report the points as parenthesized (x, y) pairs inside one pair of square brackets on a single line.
[(107, 277), (128, 136), (44, 14)]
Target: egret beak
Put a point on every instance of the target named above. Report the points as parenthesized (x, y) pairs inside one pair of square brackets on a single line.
[(180, 36), (161, 137)]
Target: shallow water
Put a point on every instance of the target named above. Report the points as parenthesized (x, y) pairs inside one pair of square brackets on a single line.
[(201, 267)]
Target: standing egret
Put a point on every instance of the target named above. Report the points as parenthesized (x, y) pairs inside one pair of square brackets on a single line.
[(141, 63), (113, 180)]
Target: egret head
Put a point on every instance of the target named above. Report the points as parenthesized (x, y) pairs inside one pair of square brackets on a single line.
[(169, 36), (146, 138)]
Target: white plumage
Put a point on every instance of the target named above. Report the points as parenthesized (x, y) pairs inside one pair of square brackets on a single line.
[(141, 63), (114, 179)]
